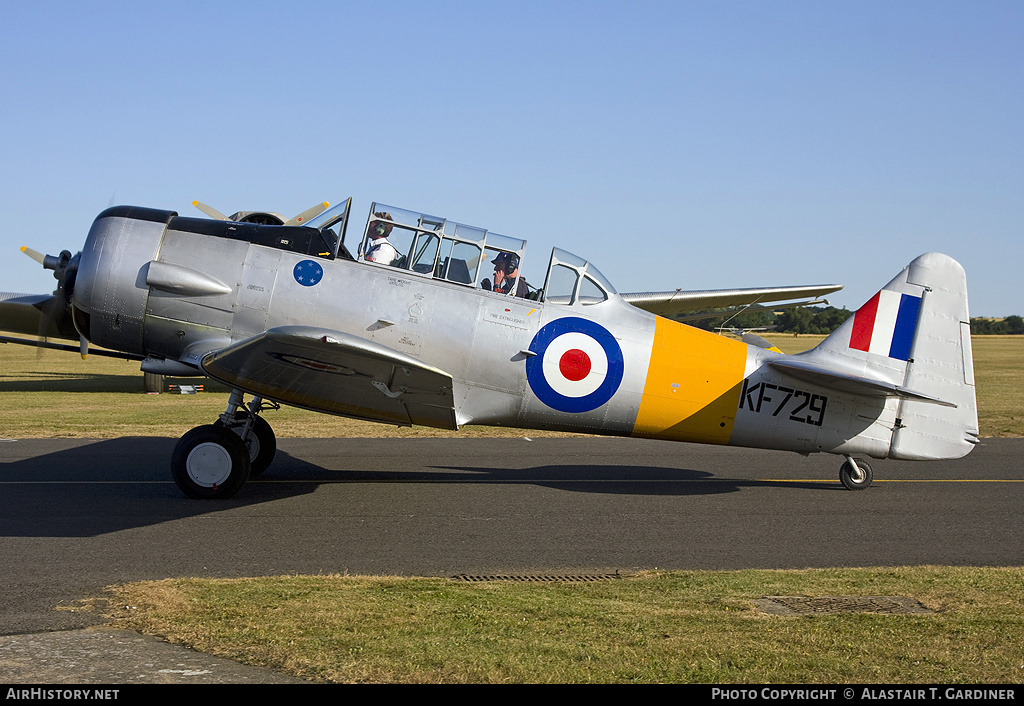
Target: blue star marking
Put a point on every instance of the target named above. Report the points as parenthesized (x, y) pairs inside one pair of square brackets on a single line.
[(308, 273)]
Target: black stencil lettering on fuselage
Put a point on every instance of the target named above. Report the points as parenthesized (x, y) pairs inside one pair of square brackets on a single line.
[(777, 400)]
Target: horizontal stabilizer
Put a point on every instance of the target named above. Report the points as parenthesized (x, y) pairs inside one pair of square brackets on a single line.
[(846, 382)]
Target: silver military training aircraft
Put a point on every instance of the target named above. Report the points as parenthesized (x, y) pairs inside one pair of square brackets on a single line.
[(409, 325)]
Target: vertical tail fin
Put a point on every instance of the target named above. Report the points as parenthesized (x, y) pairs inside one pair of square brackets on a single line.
[(912, 340), (942, 364)]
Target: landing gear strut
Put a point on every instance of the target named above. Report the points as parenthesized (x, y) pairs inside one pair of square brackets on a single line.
[(855, 474), (215, 460), (258, 437)]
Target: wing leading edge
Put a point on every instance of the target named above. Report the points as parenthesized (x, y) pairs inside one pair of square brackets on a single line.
[(336, 373), (686, 302)]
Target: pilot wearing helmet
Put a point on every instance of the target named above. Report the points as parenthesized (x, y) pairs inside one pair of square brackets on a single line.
[(506, 274), (379, 248)]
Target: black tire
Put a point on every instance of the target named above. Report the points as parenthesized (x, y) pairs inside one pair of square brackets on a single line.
[(153, 382), (856, 481), (262, 443), (210, 462)]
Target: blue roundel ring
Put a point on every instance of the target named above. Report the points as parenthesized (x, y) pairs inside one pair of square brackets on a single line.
[(308, 273), (545, 377)]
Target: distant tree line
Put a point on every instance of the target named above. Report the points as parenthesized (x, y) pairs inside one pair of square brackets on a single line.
[(1011, 324), (811, 319), (806, 319), (826, 319)]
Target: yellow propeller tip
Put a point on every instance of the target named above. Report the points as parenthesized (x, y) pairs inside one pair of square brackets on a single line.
[(24, 248), (195, 203)]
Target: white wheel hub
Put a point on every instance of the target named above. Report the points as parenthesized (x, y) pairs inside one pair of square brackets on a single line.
[(209, 465)]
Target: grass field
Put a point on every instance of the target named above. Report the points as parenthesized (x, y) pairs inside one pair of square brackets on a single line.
[(58, 394), (657, 627)]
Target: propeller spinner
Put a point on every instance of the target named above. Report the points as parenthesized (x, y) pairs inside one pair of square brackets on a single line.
[(57, 310)]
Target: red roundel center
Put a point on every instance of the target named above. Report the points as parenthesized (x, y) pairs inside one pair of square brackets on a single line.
[(574, 365)]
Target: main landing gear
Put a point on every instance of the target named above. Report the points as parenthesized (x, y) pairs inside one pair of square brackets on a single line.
[(215, 460), (855, 474)]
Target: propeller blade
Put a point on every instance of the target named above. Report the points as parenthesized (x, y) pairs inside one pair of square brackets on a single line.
[(37, 256), (48, 313), (209, 211), (57, 263), (307, 214), (83, 347)]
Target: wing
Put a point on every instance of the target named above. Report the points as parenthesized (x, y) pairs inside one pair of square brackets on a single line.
[(35, 315), (682, 302), (45, 316), (337, 373)]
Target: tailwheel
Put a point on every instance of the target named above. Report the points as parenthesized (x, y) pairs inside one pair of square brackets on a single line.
[(855, 474), (210, 462), (260, 440)]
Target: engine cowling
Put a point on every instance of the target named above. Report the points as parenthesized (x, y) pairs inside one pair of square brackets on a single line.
[(110, 293)]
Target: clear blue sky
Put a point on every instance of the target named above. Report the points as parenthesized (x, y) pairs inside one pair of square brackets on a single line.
[(674, 144)]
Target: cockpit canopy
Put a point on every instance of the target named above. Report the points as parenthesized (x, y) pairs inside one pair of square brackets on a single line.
[(436, 247), (572, 280), (431, 246)]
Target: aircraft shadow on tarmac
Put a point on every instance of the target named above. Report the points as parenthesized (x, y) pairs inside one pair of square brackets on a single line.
[(617, 479), (110, 485)]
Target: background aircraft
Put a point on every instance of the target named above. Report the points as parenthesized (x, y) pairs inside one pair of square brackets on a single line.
[(295, 315)]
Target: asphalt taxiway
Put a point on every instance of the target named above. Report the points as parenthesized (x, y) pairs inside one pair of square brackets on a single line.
[(79, 515)]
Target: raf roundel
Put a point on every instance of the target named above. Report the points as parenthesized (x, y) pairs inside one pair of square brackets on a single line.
[(308, 273), (578, 366)]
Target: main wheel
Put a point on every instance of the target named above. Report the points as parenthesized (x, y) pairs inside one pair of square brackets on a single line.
[(153, 382), (210, 462), (262, 443), (856, 479)]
